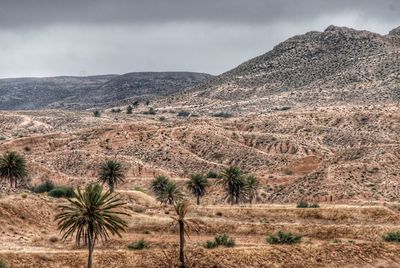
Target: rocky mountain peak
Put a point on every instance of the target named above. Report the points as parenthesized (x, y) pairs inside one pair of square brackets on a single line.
[(395, 31)]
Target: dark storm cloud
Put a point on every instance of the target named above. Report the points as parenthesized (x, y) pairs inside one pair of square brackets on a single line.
[(79, 37), (30, 13)]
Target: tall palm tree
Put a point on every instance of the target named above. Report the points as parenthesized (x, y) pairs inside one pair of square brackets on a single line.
[(166, 190), (252, 185), (197, 184), (91, 215), (182, 207), (111, 172), (233, 181), (13, 167)]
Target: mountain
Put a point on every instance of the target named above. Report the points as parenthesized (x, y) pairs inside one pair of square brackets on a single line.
[(85, 92), (339, 66)]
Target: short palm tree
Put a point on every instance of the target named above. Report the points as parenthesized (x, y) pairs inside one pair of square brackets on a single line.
[(233, 181), (166, 190), (252, 185), (91, 215), (197, 184), (182, 207), (111, 172), (13, 167)]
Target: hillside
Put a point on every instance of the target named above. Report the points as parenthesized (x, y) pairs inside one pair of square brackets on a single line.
[(340, 66), (92, 91)]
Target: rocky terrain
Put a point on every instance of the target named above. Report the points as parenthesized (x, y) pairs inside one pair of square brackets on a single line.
[(93, 91), (340, 66)]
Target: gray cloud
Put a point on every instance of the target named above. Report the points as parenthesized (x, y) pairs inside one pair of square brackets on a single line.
[(55, 37)]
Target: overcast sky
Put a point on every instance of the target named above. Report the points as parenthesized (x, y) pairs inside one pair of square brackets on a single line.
[(86, 37)]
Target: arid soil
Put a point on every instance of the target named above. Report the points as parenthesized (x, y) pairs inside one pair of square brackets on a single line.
[(345, 158)]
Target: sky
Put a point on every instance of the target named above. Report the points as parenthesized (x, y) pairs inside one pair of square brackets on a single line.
[(88, 37)]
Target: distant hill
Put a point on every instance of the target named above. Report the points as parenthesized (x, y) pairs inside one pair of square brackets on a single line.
[(339, 66), (86, 92)]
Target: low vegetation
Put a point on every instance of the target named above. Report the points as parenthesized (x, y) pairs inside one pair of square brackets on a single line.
[(139, 245), (392, 237), (62, 192), (220, 240), (3, 264), (283, 238), (44, 187), (304, 204), (222, 115)]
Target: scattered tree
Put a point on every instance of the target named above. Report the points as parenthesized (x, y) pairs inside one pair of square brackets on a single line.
[(129, 109), (13, 167), (135, 103), (252, 185), (96, 113), (91, 215), (111, 172), (182, 207), (234, 183), (166, 191), (197, 184), (147, 102)]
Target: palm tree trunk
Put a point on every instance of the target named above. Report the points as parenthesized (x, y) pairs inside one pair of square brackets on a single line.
[(90, 248), (181, 244), (198, 200), (11, 181)]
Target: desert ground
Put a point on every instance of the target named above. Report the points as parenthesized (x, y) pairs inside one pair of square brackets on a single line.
[(344, 158)]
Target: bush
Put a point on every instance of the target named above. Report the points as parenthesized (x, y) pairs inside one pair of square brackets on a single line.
[(283, 238), (96, 113), (212, 174), (2, 138), (210, 244), (183, 113), (222, 114), (162, 118), (46, 186), (24, 196), (225, 240), (3, 264), (62, 192), (392, 237), (129, 109), (139, 245), (220, 240), (304, 204), (151, 111)]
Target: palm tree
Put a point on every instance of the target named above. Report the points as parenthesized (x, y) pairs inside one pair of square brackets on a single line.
[(13, 167), (91, 215), (182, 207), (111, 172), (198, 185), (252, 185), (165, 190), (232, 179)]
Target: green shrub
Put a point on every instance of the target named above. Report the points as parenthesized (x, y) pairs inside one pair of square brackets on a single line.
[(392, 237), (210, 244), (162, 118), (222, 114), (2, 138), (224, 240), (3, 264), (46, 186), (24, 196), (183, 113), (302, 204), (220, 240), (62, 192), (283, 238), (212, 174), (96, 113), (129, 109), (139, 245), (139, 189)]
